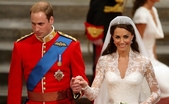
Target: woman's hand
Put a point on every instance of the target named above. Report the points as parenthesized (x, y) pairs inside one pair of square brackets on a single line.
[(82, 82), (78, 83), (75, 86)]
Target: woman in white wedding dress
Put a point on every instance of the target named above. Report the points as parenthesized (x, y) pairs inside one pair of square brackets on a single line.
[(147, 21), (121, 69)]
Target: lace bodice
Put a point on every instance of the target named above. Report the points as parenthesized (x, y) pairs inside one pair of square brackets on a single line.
[(125, 89)]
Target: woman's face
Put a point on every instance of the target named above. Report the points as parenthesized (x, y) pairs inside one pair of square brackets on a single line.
[(122, 39)]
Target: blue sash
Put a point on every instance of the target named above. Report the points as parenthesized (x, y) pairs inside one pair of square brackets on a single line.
[(47, 61)]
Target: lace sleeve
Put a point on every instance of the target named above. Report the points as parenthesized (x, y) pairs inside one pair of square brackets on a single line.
[(92, 92), (152, 82)]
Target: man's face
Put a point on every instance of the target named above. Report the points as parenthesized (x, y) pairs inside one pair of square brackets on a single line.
[(41, 26)]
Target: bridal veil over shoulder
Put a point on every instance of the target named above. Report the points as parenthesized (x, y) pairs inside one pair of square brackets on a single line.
[(102, 98)]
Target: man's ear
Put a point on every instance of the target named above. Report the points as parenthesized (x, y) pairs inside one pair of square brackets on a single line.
[(51, 20)]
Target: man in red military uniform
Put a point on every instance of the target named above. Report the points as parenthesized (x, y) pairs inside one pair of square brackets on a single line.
[(47, 60)]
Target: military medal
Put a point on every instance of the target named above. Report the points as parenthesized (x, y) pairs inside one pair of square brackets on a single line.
[(59, 63), (60, 60), (59, 75)]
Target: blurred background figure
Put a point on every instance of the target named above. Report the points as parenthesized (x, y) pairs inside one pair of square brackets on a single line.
[(99, 15), (146, 18)]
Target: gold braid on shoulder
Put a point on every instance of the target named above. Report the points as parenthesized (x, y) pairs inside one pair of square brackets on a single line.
[(68, 36), (23, 37)]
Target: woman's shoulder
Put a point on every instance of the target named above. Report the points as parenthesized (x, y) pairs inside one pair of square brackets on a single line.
[(141, 15), (108, 57), (141, 10), (103, 57), (142, 58), (155, 10)]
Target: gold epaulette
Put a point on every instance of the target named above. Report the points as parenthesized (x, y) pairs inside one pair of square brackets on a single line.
[(23, 37), (68, 36)]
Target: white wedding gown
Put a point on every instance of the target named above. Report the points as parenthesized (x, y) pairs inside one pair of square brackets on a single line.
[(152, 32), (127, 89)]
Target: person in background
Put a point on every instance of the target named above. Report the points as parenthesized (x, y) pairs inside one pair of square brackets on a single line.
[(47, 59), (122, 68), (146, 18), (99, 15)]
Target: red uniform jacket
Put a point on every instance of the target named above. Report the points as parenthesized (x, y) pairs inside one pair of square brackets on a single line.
[(25, 55)]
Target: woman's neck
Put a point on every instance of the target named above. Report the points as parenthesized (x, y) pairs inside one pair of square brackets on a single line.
[(149, 4), (123, 54)]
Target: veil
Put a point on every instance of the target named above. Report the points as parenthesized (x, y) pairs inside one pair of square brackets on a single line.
[(102, 97)]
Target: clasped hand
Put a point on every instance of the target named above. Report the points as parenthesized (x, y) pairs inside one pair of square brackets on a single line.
[(78, 83)]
